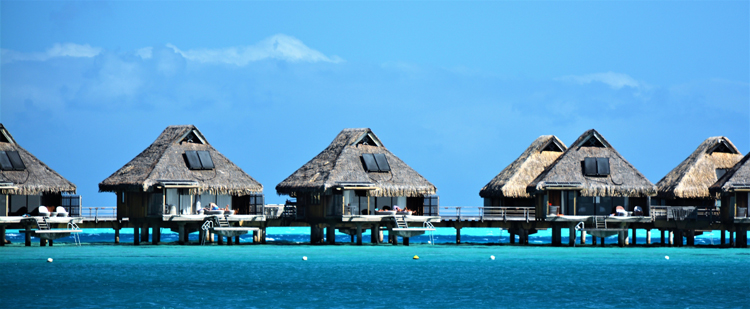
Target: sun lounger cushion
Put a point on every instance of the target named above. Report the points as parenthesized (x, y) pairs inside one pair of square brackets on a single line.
[(61, 212)]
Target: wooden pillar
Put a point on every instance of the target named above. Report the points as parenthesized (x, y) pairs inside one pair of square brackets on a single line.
[(572, 236), (731, 238), (2, 235), (144, 232), (458, 234), (359, 234), (663, 238), (351, 237), (256, 237), (525, 237), (671, 238), (677, 240), (648, 236), (331, 234), (181, 234), (221, 239), (374, 230), (621, 239), (313, 234), (583, 237), (51, 242), (406, 241), (229, 240), (593, 240), (156, 234), (136, 234), (602, 239), (723, 237), (691, 238), (633, 237), (42, 242), (237, 240), (263, 235), (512, 237), (117, 235)]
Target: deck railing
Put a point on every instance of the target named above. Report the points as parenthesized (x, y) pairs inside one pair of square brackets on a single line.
[(474, 213), (685, 213), (95, 213)]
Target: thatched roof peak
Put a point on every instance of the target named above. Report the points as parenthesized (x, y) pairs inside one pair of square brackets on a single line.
[(737, 177), (165, 159), (342, 162), (513, 179), (622, 178), (693, 176), (35, 178)]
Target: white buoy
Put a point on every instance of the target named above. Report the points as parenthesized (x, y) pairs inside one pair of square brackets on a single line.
[(304, 258), (49, 260), (492, 257), (666, 257), (429, 242)]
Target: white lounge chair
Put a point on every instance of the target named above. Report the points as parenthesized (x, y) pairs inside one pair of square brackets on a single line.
[(43, 211), (61, 212)]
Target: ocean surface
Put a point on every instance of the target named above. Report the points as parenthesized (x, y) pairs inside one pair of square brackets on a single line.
[(99, 274)]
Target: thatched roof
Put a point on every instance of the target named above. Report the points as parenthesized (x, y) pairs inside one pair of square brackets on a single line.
[(341, 163), (514, 179), (165, 160), (738, 177), (36, 178), (623, 179), (693, 176)]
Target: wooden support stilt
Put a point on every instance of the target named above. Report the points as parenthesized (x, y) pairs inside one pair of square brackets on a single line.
[(572, 236), (144, 232), (593, 240), (181, 234), (229, 240), (633, 236), (2, 235), (691, 238), (458, 234), (136, 234), (117, 235), (583, 237), (221, 239), (263, 235), (663, 238), (731, 238), (602, 239), (723, 237), (237, 240), (621, 239), (671, 238), (42, 242), (155, 234), (648, 237), (512, 238), (51, 242), (374, 234), (359, 234), (331, 235), (406, 241)]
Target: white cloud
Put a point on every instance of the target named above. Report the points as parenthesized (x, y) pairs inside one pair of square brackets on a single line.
[(57, 50), (614, 80), (145, 53), (280, 46)]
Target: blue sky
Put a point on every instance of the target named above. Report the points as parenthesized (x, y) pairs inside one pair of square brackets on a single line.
[(456, 89)]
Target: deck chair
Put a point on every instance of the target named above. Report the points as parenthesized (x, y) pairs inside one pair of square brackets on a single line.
[(61, 212), (43, 211)]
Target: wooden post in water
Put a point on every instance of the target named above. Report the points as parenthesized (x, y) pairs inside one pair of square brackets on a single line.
[(593, 240), (136, 234), (2, 235), (663, 238), (512, 237), (648, 236), (621, 239), (374, 234), (406, 241), (229, 240), (117, 235), (583, 237), (144, 232), (256, 237), (723, 237), (633, 241), (331, 234), (691, 238), (671, 238), (731, 238), (263, 235), (572, 236), (602, 239), (237, 240), (458, 235), (156, 234), (181, 234), (51, 242), (42, 242), (359, 234)]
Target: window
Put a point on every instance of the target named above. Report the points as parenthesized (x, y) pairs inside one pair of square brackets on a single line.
[(11, 161), (596, 166), (199, 160), (375, 162)]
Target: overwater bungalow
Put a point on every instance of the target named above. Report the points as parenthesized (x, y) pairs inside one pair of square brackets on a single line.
[(508, 188), (168, 184), (352, 181), (591, 179), (25, 182), (733, 188), (687, 184), (29, 187)]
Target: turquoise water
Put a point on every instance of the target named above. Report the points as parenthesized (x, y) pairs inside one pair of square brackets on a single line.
[(384, 276)]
